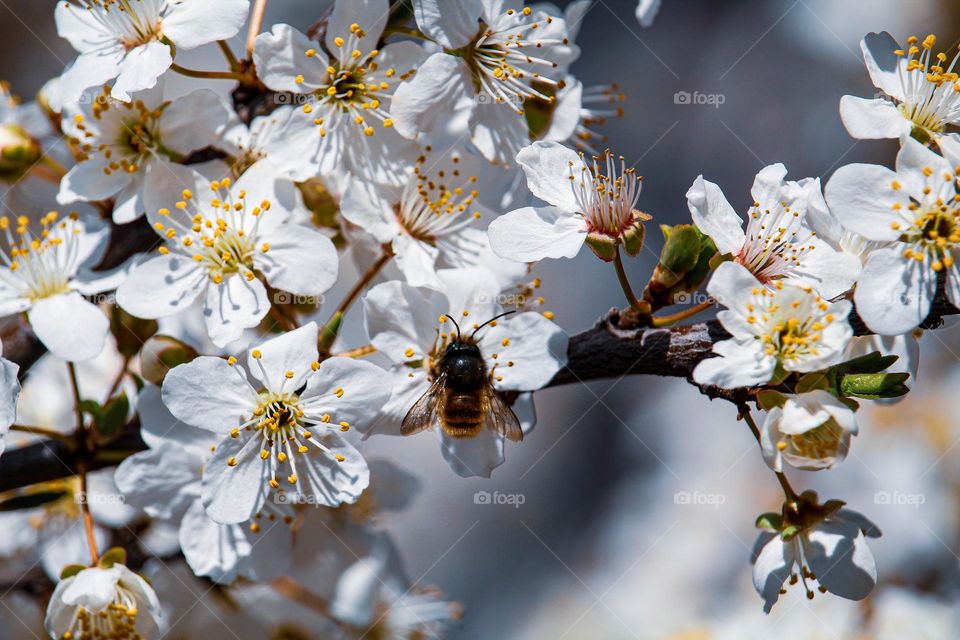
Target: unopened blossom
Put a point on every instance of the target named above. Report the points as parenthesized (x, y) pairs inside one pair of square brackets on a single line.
[(430, 222), (810, 431), (778, 244), (778, 328), (410, 326), (588, 204), (283, 423), (125, 149), (496, 54), (45, 270), (828, 552), (103, 602), (343, 90), (915, 211), (133, 41), (223, 238), (921, 87), (165, 481)]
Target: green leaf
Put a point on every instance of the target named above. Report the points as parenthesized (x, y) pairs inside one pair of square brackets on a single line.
[(92, 408), (113, 555), (71, 570), (113, 417), (832, 506), (31, 500), (873, 362), (768, 399), (874, 385), (772, 521), (812, 382), (789, 531)]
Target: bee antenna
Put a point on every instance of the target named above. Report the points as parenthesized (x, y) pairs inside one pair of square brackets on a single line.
[(493, 319), (447, 315)]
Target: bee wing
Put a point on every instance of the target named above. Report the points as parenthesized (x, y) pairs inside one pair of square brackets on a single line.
[(423, 414), (500, 417)]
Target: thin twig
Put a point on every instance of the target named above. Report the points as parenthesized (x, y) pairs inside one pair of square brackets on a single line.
[(256, 23)]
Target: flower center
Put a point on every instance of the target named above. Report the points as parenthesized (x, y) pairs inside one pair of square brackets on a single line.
[(133, 22), (931, 90), (136, 138), (816, 444), (789, 323), (607, 200), (776, 242), (40, 266), (222, 235), (117, 620), (934, 233), (501, 63), (432, 207)]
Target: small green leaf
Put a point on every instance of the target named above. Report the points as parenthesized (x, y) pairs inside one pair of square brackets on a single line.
[(92, 408), (832, 506), (113, 417), (874, 385), (71, 570), (772, 521), (31, 500), (768, 399), (789, 531), (112, 556), (813, 382)]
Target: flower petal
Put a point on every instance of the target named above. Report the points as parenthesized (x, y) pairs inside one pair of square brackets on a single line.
[(348, 391), (452, 23), (232, 306), (69, 326), (208, 393), (233, 494), (161, 286), (299, 260), (473, 457), (291, 351), (837, 553), (534, 233), (714, 215), (141, 68), (420, 102), (772, 563), (867, 119), (894, 293), (548, 167), (191, 24)]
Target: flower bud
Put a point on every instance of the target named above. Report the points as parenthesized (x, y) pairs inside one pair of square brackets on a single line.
[(633, 237), (874, 385), (162, 353), (18, 151), (604, 246)]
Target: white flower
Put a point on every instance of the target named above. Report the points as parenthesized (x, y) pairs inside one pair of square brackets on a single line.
[(778, 243), (811, 431), (780, 328), (831, 551), (646, 11), (165, 481), (125, 148), (496, 54), (268, 138), (522, 352), (222, 237), (9, 393), (915, 210), (278, 431), (921, 88), (346, 122), (429, 222), (46, 274), (130, 40), (101, 602), (599, 202)]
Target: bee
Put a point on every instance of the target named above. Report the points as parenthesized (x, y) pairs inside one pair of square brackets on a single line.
[(462, 398)]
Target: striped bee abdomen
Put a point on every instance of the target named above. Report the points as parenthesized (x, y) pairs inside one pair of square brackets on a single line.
[(462, 414)]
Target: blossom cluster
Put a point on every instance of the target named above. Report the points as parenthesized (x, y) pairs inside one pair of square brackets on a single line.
[(418, 165)]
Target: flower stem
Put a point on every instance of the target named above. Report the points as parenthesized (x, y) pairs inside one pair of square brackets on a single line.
[(625, 284), (256, 23), (119, 379), (46, 433), (664, 321), (330, 330), (359, 352), (213, 75), (88, 519), (788, 490), (293, 590), (52, 163), (75, 387), (228, 54)]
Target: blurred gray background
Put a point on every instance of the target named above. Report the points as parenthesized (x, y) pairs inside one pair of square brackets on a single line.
[(586, 552)]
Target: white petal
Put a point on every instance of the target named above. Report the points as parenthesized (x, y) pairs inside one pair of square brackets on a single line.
[(400, 317), (325, 481), (646, 11), (914, 161), (536, 346), (867, 119), (367, 206), (69, 326), (497, 130), (771, 566), (141, 68), (534, 233), (161, 286), (80, 28), (291, 351), (882, 63), (371, 15), (208, 393), (365, 389), (300, 260), (232, 306), (473, 457), (162, 482), (92, 588), (894, 293), (232, 494), (452, 23), (738, 365), (194, 121), (191, 24), (714, 216), (91, 69), (768, 185), (826, 270), (837, 553), (548, 167), (420, 102), (279, 56), (87, 181), (417, 261), (862, 197), (731, 286)]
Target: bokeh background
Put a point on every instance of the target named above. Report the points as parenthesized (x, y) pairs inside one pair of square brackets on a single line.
[(639, 495)]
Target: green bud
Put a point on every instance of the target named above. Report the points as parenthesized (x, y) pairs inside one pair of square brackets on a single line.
[(18, 151), (681, 251), (162, 353), (604, 246), (633, 238), (874, 385)]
